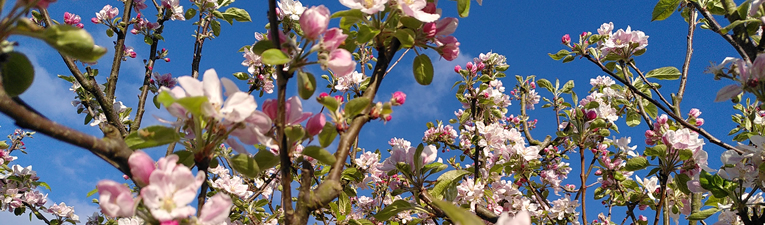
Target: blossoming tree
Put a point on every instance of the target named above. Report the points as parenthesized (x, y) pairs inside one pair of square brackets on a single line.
[(226, 158)]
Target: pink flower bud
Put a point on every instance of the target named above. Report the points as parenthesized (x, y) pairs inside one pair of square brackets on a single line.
[(323, 94), (662, 119), (80, 25), (95, 20), (315, 124), (314, 21), (167, 59), (134, 31), (430, 30), (480, 66), (387, 118), (125, 177), (643, 218), (699, 122), (584, 34), (566, 39), (339, 98), (591, 115), (695, 112), (471, 67), (141, 166), (398, 98), (533, 85), (430, 8), (457, 68), (448, 47), (132, 54)]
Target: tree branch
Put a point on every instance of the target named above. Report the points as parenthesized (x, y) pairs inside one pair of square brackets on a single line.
[(674, 116), (147, 77), (119, 48), (714, 26), (687, 63), (90, 85)]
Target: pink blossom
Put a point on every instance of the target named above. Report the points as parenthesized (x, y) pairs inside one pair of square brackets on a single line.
[(141, 166), (238, 106), (366, 6), (175, 7), (728, 92), (71, 19), (216, 210), (405, 154), (429, 29), (414, 8), (333, 38), (449, 47), (293, 109), (398, 98), (107, 13), (341, 62), (683, 139), (520, 218), (315, 124), (566, 39), (171, 188), (314, 21), (115, 199), (446, 26)]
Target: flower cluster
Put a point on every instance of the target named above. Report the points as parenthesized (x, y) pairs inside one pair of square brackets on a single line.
[(168, 189), (622, 43)]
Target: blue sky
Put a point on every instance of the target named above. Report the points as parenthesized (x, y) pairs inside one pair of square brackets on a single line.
[(522, 31)]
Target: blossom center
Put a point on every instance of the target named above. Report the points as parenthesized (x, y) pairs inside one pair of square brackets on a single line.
[(168, 204)]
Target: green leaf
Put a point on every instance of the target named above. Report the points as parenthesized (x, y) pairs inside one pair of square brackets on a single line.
[(17, 73), (261, 46), (109, 32), (568, 87), (559, 55), (356, 106), (320, 154), (152, 136), (423, 69), (190, 13), (71, 41), (237, 14), (156, 101), (147, 39), (192, 104), (274, 57), (406, 37), (568, 58), (637, 163), (463, 7), (411, 22), (685, 154), (633, 118), (331, 103), (306, 84), (681, 180), (185, 158), (91, 193), (658, 150), (456, 214), (544, 83), (245, 165), (215, 27), (266, 159), (366, 33), (348, 17), (703, 214), (393, 209), (664, 73), (664, 9), (327, 135)]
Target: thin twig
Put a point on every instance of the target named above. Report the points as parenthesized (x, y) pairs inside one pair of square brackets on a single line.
[(687, 63), (645, 80), (147, 76), (121, 32), (714, 26)]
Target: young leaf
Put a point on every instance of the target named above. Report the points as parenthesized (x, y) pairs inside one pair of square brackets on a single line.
[(703, 214), (266, 159), (664, 73), (18, 74), (637, 163), (393, 209), (320, 154), (456, 214), (327, 135), (406, 37), (355, 106), (151, 136), (463, 7), (664, 9), (423, 69), (274, 57), (306, 84), (245, 165)]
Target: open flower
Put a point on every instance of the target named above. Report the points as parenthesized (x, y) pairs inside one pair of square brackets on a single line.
[(216, 210), (237, 107), (366, 6), (171, 188), (414, 8)]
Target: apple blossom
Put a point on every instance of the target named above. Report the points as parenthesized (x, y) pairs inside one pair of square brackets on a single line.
[(448, 47), (366, 6), (315, 124), (106, 14), (332, 39), (341, 62), (115, 199), (314, 21), (293, 109), (171, 188), (398, 98), (520, 218), (71, 19), (414, 8), (216, 210), (237, 107), (291, 8)]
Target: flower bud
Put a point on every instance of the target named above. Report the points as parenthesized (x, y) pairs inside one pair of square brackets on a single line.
[(134, 31), (566, 39), (480, 66), (398, 98), (429, 29), (167, 59), (695, 112), (339, 98), (699, 122), (591, 115), (323, 94), (314, 21), (95, 20), (141, 166), (315, 124), (457, 68)]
